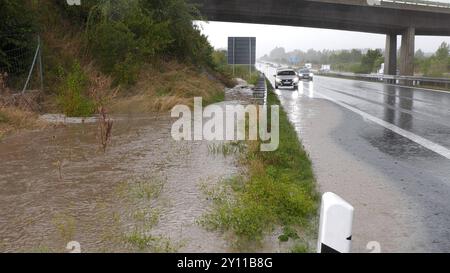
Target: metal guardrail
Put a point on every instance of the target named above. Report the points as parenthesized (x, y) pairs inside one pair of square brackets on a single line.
[(260, 90), (438, 4), (412, 80)]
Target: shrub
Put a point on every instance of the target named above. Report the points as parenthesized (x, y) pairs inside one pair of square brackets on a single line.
[(122, 35), (72, 97), (111, 44), (127, 71)]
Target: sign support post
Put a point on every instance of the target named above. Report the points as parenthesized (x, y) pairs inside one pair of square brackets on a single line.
[(241, 51)]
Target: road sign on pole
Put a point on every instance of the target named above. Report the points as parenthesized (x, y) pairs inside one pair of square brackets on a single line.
[(335, 229), (242, 50)]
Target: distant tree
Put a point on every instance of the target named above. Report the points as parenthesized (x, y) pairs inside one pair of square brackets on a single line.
[(355, 61), (439, 63), (443, 51), (419, 55), (278, 53), (370, 61)]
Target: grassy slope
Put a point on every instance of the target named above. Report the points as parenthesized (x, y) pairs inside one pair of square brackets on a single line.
[(278, 189), (160, 87)]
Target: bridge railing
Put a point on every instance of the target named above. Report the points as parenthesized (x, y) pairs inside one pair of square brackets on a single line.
[(442, 83), (433, 3)]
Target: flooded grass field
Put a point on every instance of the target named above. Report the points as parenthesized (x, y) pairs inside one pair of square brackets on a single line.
[(142, 194)]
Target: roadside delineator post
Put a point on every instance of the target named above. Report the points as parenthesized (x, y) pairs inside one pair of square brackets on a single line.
[(335, 228)]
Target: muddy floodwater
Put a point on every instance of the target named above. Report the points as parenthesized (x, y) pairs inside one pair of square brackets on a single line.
[(60, 192), (142, 194)]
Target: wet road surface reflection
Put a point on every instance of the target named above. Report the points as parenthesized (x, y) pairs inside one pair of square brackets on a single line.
[(399, 188), (421, 112)]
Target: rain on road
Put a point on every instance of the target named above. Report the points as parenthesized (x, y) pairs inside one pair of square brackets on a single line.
[(384, 149)]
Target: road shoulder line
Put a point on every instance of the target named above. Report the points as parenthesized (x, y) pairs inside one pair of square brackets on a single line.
[(439, 149)]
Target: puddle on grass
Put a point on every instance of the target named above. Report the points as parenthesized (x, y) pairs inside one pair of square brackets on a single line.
[(56, 185)]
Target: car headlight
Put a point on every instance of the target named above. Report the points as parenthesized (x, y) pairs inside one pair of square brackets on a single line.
[(277, 80), (295, 79), (311, 74)]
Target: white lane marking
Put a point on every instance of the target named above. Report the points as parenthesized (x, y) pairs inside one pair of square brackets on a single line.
[(439, 149)]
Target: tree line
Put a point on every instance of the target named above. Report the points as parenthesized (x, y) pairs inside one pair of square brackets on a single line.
[(436, 65), (363, 61)]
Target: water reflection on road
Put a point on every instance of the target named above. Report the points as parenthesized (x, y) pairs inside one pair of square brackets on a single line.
[(399, 188)]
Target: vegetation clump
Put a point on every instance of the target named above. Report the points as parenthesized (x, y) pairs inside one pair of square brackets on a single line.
[(72, 96), (118, 41)]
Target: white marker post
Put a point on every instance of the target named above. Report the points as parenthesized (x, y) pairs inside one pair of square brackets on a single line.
[(335, 229)]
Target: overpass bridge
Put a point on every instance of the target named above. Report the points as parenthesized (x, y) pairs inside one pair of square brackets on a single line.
[(390, 17)]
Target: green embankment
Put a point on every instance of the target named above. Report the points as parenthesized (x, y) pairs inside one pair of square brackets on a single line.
[(277, 189), (120, 55)]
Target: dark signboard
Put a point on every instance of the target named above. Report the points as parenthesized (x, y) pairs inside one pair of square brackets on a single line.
[(242, 50)]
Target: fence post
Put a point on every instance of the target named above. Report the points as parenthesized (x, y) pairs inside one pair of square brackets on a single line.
[(335, 229), (41, 71), (32, 66)]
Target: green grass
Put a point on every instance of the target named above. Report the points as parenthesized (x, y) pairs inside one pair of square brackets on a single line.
[(146, 218), (300, 248), (141, 241), (288, 233), (146, 187), (278, 189)]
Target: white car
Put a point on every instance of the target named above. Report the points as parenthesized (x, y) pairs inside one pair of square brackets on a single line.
[(286, 77)]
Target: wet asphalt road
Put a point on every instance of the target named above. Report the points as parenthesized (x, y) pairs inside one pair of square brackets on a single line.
[(400, 188)]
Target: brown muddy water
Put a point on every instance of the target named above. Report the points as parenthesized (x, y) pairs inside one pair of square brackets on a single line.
[(143, 194)]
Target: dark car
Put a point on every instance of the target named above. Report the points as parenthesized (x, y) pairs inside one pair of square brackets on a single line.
[(305, 74)]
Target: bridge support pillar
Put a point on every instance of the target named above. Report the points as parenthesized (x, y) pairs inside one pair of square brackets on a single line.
[(390, 56), (407, 54)]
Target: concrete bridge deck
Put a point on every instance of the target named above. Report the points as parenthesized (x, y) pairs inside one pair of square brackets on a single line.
[(385, 17)]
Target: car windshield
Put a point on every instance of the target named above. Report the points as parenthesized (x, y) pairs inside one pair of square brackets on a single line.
[(304, 71), (286, 73)]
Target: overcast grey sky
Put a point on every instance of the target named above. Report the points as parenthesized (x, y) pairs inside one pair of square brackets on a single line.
[(270, 36)]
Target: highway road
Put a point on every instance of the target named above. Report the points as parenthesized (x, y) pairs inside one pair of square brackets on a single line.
[(383, 148)]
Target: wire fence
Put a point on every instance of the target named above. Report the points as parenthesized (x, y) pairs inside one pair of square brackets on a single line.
[(21, 69)]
